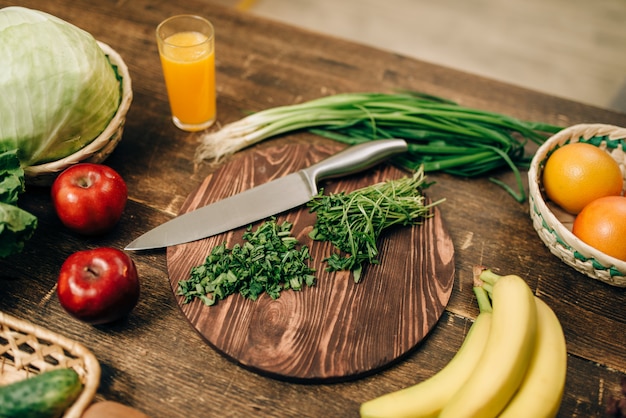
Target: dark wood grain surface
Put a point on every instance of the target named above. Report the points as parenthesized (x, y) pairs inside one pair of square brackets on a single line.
[(338, 329), (155, 361)]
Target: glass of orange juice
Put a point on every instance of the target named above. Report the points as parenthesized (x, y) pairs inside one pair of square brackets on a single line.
[(187, 50)]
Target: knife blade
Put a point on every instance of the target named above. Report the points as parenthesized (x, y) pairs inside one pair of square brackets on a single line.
[(267, 199)]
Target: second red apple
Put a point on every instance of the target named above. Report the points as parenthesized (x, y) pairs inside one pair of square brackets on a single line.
[(98, 286)]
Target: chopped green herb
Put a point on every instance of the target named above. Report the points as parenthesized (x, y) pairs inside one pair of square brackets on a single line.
[(268, 261), (353, 222)]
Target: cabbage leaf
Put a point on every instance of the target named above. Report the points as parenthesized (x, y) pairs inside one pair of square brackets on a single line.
[(58, 88), (16, 225)]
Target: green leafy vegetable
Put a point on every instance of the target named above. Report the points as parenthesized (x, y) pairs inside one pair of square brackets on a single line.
[(11, 177), (16, 225), (354, 221), (58, 92), (58, 89), (442, 135), (268, 261)]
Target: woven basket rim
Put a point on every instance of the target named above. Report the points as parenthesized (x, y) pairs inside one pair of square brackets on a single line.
[(538, 206), (101, 140), (92, 371)]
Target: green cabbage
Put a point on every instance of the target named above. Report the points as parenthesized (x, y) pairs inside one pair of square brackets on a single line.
[(58, 90)]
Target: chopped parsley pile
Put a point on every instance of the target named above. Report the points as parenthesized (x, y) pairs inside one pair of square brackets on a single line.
[(269, 260)]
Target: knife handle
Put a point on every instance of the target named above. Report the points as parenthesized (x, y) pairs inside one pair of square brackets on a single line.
[(354, 159)]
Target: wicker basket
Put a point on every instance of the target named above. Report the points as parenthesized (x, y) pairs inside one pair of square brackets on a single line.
[(101, 147), (554, 225), (27, 349)]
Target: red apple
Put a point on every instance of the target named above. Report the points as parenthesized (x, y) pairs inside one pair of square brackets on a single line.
[(89, 198), (98, 286)]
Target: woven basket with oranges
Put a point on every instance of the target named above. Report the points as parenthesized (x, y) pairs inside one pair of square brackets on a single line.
[(554, 222)]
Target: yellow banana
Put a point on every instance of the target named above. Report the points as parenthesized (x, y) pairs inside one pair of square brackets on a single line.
[(426, 398), (541, 391), (506, 357)]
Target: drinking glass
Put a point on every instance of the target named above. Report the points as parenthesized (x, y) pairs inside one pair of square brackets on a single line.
[(187, 51)]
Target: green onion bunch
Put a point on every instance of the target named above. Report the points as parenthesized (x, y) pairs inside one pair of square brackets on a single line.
[(442, 135)]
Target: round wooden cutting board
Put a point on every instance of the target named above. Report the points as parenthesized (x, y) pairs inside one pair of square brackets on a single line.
[(337, 329)]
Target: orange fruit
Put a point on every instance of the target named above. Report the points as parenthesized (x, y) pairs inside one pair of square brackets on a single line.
[(578, 173), (602, 224)]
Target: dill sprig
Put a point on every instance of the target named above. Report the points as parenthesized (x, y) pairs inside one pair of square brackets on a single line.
[(354, 221)]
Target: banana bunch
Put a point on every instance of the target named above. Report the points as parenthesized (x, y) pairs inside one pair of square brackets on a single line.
[(512, 362)]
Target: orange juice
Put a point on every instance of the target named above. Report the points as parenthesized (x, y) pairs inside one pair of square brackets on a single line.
[(188, 62)]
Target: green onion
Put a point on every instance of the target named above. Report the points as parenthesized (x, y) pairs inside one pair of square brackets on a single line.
[(442, 135)]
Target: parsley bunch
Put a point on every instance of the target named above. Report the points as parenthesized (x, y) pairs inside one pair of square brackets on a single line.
[(268, 261)]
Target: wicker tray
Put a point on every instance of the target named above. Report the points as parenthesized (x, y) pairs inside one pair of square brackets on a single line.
[(554, 226), (101, 147), (27, 349)]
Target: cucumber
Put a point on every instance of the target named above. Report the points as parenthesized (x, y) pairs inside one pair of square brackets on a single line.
[(46, 395)]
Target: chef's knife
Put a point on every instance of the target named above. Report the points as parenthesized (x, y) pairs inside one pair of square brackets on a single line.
[(267, 199)]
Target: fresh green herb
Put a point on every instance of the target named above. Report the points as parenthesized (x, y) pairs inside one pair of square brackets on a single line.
[(442, 135), (268, 261), (354, 221)]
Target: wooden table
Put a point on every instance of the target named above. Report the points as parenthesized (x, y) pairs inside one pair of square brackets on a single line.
[(155, 361)]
